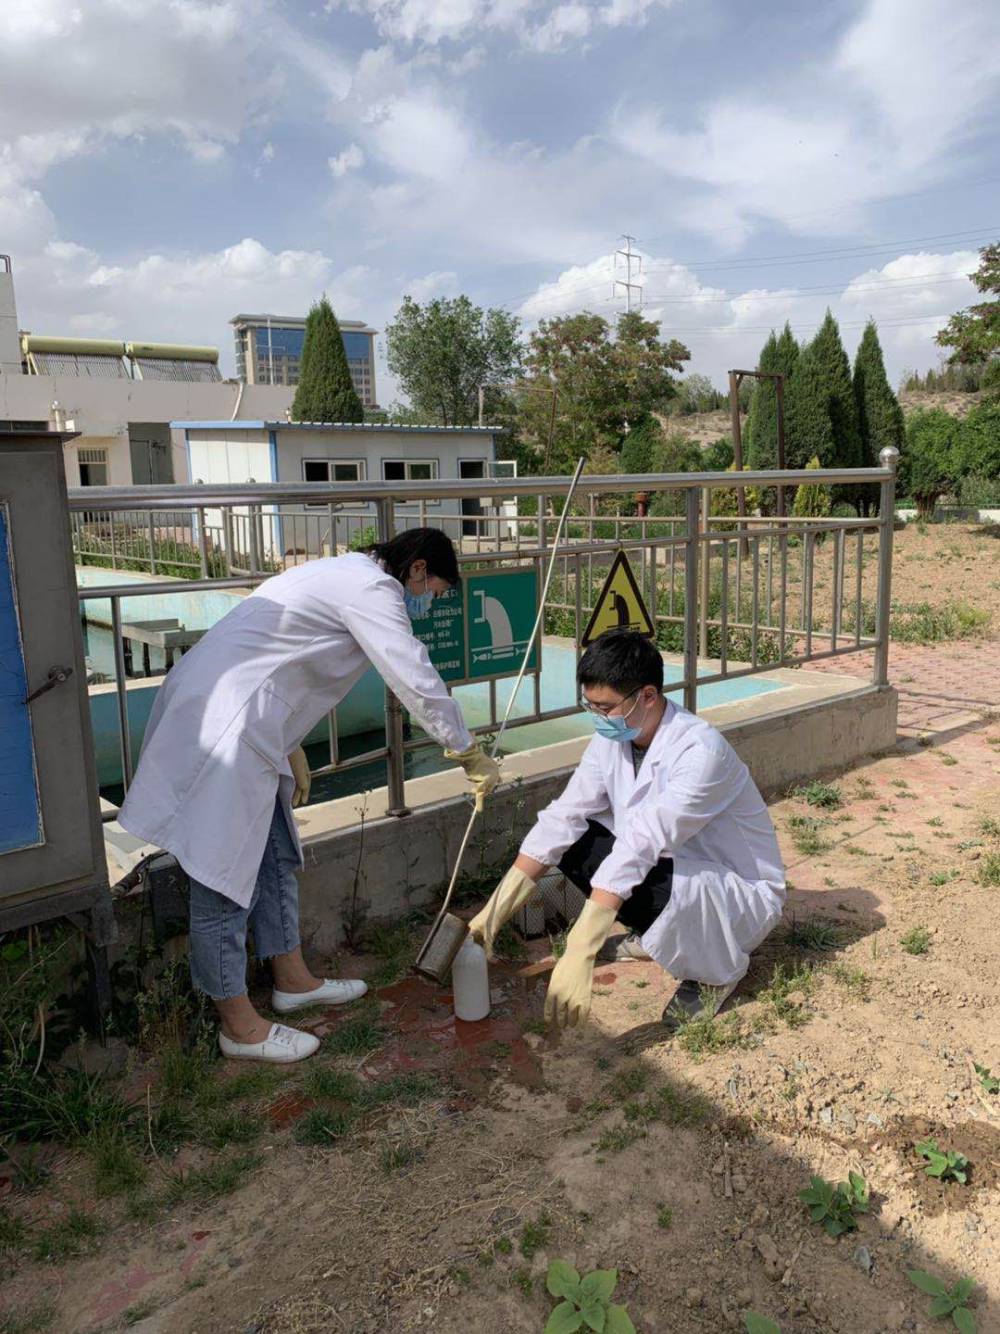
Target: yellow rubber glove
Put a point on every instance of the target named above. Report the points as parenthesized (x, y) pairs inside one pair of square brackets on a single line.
[(567, 1002), (513, 892), (481, 770), (302, 776)]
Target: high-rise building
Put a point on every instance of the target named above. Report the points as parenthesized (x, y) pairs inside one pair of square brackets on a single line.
[(269, 351)]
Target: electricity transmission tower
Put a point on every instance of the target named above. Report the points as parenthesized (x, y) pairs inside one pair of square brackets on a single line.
[(628, 256)]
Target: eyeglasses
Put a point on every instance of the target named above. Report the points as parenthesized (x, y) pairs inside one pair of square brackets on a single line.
[(604, 710)]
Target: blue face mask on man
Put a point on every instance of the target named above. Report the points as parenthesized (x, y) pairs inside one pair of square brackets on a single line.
[(617, 728)]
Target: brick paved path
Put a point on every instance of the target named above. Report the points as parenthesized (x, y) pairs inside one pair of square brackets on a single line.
[(941, 687)]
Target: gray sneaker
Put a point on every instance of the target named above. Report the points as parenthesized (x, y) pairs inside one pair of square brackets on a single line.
[(694, 1000), (623, 949)]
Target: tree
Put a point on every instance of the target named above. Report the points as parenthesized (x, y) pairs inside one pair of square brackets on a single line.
[(880, 418), (640, 446), (812, 501), (976, 443), (597, 384), (325, 391), (443, 352), (779, 354), (696, 393), (718, 456), (927, 465), (822, 414), (974, 334)]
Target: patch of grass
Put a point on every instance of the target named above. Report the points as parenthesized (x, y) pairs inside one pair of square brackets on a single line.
[(219, 1129), (813, 934), (522, 1280), (617, 1138), (28, 1319), (855, 981), (210, 1183), (404, 1090), (664, 1216), (133, 1314), (504, 1246), (917, 940), (118, 1168), (534, 1236), (557, 944), (785, 983), (13, 1232), (989, 870), (922, 623), (68, 1237), (324, 1082), (939, 878), (853, 850), (807, 836), (708, 1035), (536, 1026), (946, 758), (633, 1079), (827, 796), (989, 826), (936, 823), (394, 1158), (257, 1081), (322, 1127), (356, 1036), (509, 945), (641, 983)]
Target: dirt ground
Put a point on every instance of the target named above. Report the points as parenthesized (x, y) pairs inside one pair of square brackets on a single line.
[(677, 1162)]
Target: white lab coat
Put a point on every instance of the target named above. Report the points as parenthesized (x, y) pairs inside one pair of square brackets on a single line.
[(693, 800), (231, 710)]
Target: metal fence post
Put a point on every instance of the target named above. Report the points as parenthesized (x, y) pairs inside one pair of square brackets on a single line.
[(706, 573), (121, 693), (691, 601), (393, 708), (889, 458)]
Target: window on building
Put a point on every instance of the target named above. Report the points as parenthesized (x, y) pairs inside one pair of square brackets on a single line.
[(410, 470), (333, 470), (93, 467)]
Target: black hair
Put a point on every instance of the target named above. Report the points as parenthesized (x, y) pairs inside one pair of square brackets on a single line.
[(623, 660), (428, 544)]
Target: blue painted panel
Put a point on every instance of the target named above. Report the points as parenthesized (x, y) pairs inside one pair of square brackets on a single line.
[(20, 817)]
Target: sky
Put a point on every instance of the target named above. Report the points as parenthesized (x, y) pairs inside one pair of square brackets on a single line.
[(164, 166)]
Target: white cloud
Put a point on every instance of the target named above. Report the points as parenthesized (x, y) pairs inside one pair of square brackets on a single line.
[(536, 24), (440, 283), (907, 81), (909, 298), (351, 158)]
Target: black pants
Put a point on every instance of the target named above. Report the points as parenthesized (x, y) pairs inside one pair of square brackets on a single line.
[(647, 900)]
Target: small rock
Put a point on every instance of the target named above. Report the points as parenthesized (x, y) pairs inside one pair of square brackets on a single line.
[(847, 1119), (745, 1296), (694, 1297), (760, 1215), (826, 1115), (739, 1182), (952, 1095), (533, 1040), (875, 1120), (862, 1257)]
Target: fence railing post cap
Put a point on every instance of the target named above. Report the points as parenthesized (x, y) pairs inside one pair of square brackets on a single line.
[(889, 457)]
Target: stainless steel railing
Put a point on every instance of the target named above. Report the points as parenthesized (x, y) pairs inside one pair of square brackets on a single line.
[(740, 596)]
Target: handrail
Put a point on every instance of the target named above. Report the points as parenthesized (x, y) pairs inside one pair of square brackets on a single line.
[(185, 495)]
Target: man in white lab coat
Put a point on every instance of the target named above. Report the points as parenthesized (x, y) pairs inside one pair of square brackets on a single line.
[(222, 764), (663, 827)]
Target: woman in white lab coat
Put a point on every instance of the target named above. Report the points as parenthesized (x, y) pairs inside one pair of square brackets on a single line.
[(222, 765), (663, 826)]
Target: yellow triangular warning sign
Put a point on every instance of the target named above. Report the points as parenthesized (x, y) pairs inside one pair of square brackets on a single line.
[(620, 605)]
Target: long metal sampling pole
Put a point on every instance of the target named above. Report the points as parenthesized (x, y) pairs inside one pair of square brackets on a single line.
[(517, 684)]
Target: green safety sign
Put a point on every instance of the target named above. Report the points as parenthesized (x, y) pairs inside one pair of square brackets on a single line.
[(480, 631)]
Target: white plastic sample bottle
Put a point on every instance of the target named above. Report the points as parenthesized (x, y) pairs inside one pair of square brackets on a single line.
[(470, 982)]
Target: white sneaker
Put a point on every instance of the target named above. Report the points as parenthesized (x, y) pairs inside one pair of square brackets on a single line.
[(327, 993), (282, 1046)]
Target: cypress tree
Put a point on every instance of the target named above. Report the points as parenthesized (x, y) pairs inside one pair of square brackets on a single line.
[(326, 391), (880, 418), (762, 419), (640, 446), (779, 354), (823, 416)]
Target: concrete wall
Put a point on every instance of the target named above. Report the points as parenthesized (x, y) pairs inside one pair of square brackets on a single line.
[(402, 865), (10, 343), (102, 409)]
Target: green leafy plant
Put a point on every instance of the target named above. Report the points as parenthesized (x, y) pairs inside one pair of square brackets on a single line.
[(947, 1301), (825, 795), (916, 940), (759, 1324), (944, 1164), (989, 1082), (835, 1206), (585, 1302)]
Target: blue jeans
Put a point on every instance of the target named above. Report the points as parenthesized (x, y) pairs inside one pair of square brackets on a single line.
[(218, 942)]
